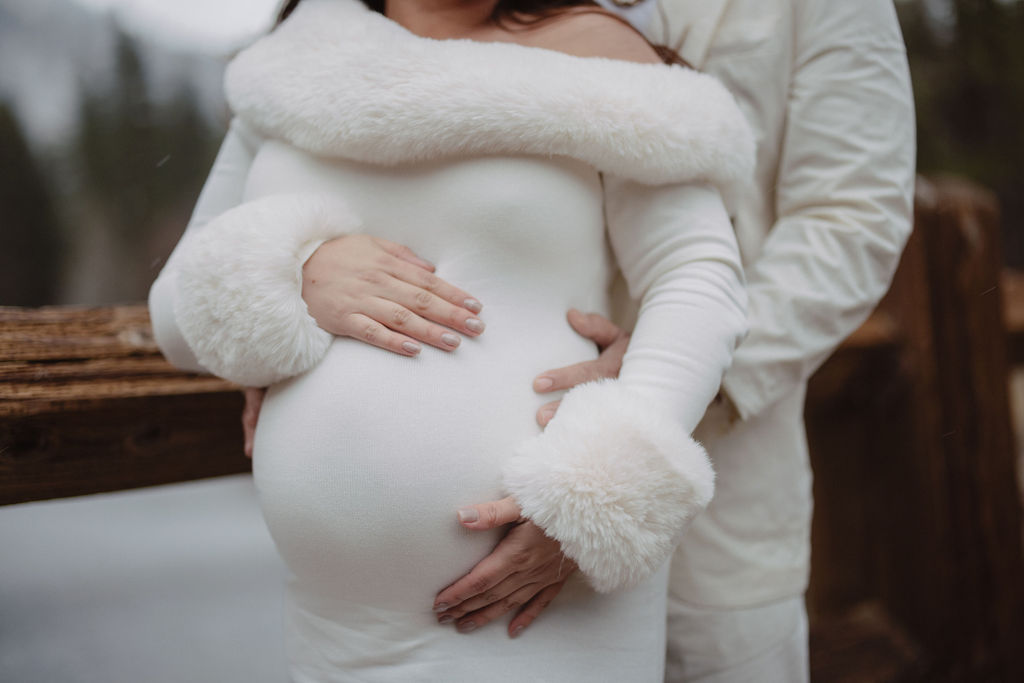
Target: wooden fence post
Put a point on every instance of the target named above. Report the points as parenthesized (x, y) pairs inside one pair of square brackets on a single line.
[(964, 452), (918, 506)]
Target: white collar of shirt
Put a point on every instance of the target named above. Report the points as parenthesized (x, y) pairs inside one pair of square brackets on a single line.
[(640, 15)]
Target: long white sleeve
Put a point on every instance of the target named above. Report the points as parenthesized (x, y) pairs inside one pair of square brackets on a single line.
[(223, 190), (843, 198), (615, 477), (676, 248), (229, 301)]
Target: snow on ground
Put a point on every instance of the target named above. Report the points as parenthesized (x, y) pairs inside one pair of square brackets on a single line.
[(163, 585)]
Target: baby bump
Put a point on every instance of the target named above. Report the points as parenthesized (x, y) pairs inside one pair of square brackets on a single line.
[(361, 464)]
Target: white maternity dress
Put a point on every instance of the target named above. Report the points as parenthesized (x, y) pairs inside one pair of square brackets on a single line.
[(363, 456)]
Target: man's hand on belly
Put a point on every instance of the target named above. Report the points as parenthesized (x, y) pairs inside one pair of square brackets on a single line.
[(525, 571), (611, 341)]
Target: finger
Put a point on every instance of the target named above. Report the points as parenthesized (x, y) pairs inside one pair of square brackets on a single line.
[(479, 618), (400, 319), (250, 416), (525, 569), (490, 515), (254, 399), (611, 357), (496, 594), (437, 286), (533, 608), (594, 327), (364, 328), (504, 561), (547, 412), (405, 253), (248, 431), (432, 307), (571, 375), (248, 437)]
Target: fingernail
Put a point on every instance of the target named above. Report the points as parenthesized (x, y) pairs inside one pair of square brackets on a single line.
[(517, 630), (543, 383), (440, 607), (466, 627), (475, 325), (547, 414), (449, 339), (446, 619), (468, 515), (473, 305), (411, 347)]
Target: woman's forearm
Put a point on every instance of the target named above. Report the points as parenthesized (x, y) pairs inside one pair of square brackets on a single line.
[(615, 477), (679, 257)]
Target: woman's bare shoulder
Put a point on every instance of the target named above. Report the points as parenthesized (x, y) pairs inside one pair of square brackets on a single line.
[(593, 33)]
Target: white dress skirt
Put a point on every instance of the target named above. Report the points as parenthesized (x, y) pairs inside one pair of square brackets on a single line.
[(362, 462)]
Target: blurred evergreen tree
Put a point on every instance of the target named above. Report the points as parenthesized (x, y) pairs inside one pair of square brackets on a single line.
[(969, 90), (137, 160), (31, 244), (140, 162)]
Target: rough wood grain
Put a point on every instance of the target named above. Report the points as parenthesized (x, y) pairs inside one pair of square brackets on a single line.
[(88, 404), (56, 358)]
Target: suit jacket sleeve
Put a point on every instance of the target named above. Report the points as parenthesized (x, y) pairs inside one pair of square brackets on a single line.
[(843, 198)]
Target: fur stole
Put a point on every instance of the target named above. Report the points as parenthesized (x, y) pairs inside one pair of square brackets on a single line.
[(339, 80)]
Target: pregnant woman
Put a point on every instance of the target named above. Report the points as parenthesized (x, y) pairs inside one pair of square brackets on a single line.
[(465, 131)]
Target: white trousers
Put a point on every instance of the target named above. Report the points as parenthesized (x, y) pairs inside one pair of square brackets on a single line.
[(764, 644)]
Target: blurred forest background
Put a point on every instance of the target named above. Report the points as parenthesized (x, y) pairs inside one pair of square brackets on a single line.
[(91, 202)]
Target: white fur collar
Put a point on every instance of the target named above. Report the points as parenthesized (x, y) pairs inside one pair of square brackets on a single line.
[(339, 80)]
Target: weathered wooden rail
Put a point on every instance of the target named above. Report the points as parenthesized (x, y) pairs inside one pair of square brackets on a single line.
[(88, 404), (918, 566)]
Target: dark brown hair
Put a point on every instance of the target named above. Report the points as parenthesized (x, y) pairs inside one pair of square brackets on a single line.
[(523, 13)]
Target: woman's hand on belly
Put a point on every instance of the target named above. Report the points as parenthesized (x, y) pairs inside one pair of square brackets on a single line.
[(526, 570), (383, 294)]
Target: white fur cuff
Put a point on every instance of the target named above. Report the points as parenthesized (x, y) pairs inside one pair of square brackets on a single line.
[(239, 301), (614, 479)]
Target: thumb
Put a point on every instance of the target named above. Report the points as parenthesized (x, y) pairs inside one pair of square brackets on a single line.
[(595, 327), (490, 515)]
